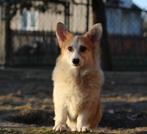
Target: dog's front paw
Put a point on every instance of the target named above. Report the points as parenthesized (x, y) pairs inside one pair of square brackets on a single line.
[(84, 129), (60, 127)]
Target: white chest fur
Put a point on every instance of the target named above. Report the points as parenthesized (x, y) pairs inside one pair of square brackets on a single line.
[(74, 90)]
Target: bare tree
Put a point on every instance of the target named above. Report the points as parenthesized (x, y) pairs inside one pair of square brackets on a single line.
[(99, 16)]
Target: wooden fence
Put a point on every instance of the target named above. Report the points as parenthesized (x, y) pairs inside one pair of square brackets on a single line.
[(128, 52), (33, 48), (40, 49)]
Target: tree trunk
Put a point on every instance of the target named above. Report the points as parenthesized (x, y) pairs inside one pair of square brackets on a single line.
[(2, 43), (99, 16), (8, 44)]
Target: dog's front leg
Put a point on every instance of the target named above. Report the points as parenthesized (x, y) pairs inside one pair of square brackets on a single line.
[(60, 118), (82, 122)]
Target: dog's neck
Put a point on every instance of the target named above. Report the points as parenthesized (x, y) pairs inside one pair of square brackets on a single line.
[(65, 72), (80, 72)]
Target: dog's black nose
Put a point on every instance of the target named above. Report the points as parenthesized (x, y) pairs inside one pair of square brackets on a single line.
[(75, 61)]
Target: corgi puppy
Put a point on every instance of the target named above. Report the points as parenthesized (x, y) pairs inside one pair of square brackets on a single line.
[(78, 80)]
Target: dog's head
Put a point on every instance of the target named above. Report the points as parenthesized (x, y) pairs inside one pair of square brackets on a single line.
[(79, 50)]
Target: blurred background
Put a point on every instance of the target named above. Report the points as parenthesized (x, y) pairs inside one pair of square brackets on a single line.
[(28, 52), (28, 31)]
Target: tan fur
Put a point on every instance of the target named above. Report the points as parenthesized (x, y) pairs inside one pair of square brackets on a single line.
[(76, 95)]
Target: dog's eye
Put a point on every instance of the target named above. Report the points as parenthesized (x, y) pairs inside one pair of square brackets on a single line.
[(70, 49), (83, 48)]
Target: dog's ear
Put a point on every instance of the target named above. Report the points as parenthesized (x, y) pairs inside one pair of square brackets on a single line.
[(61, 32), (95, 33)]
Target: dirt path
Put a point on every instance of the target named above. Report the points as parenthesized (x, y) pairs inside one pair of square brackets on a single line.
[(26, 102)]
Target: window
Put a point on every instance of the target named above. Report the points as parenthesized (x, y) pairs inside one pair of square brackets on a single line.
[(29, 20)]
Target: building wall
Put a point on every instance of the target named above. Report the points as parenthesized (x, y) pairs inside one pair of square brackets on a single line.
[(46, 21), (123, 21), (119, 20)]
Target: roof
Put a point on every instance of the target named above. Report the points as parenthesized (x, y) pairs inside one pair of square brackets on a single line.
[(126, 3), (142, 4), (139, 4)]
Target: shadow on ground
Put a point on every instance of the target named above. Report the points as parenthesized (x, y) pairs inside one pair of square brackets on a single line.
[(36, 117), (124, 115)]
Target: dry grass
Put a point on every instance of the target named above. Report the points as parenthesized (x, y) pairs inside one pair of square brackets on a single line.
[(26, 104)]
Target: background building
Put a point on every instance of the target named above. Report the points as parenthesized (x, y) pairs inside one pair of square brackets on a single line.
[(29, 39)]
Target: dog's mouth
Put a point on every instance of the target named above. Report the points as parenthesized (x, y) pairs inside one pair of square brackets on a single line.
[(76, 65)]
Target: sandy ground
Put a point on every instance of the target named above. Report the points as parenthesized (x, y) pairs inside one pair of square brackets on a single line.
[(26, 102)]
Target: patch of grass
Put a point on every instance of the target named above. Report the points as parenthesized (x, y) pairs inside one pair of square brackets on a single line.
[(48, 130), (25, 131), (10, 131), (40, 130)]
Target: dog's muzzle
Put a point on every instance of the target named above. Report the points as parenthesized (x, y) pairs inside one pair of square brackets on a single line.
[(76, 62)]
